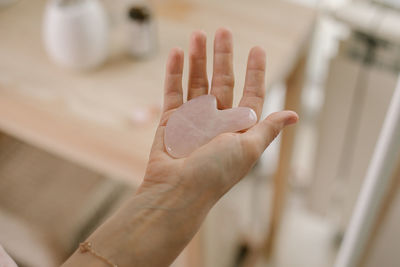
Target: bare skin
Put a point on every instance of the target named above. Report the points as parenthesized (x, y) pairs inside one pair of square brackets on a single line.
[(153, 227)]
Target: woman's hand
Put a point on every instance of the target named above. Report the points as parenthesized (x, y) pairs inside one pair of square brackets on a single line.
[(214, 168), (153, 227)]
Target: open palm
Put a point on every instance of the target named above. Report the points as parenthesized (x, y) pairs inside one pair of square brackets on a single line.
[(221, 163)]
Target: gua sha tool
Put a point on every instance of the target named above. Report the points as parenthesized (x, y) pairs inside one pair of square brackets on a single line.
[(198, 121)]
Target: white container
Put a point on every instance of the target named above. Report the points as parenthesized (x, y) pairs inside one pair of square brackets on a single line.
[(76, 33)]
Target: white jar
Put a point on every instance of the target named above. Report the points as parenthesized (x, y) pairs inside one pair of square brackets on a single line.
[(76, 33)]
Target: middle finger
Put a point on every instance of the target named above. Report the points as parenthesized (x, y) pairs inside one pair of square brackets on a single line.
[(198, 82), (223, 78)]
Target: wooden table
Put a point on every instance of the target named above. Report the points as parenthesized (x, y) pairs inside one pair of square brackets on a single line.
[(85, 116)]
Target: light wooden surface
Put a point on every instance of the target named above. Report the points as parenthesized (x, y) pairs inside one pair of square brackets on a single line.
[(85, 117)]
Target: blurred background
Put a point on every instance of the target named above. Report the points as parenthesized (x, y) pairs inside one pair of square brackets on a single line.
[(81, 93)]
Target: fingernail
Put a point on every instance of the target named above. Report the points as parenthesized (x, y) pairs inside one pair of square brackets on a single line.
[(292, 119)]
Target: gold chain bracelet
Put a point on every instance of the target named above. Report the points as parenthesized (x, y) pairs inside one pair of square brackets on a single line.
[(87, 247)]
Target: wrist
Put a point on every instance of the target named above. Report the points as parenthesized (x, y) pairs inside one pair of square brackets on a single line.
[(167, 215), (178, 192)]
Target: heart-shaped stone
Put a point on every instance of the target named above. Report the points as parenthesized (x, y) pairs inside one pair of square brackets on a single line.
[(198, 121)]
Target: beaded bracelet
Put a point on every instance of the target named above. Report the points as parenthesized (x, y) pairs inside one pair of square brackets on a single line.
[(87, 247)]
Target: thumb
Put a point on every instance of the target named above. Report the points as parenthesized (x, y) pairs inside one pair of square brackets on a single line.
[(261, 135)]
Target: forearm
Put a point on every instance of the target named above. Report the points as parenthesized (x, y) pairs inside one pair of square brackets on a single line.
[(151, 229)]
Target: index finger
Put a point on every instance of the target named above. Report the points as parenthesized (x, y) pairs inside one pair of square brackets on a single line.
[(254, 88)]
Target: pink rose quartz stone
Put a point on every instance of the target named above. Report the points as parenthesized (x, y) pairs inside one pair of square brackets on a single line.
[(198, 121)]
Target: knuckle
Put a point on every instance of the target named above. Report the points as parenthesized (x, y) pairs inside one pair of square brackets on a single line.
[(198, 83), (224, 80), (173, 94), (255, 91), (274, 128)]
